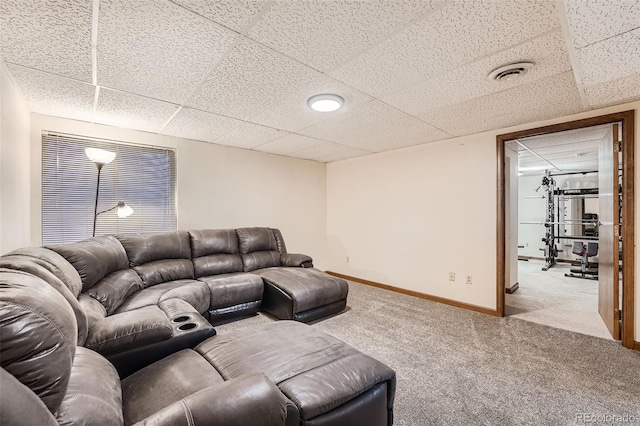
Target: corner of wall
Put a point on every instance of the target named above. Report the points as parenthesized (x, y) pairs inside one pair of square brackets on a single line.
[(15, 129)]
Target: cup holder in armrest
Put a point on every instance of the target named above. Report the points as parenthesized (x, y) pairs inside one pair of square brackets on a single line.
[(181, 318), (187, 326)]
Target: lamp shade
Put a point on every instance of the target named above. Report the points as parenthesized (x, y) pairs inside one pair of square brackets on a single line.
[(124, 210), (100, 156)]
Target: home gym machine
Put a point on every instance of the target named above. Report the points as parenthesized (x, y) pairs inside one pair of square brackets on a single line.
[(549, 240), (555, 210)]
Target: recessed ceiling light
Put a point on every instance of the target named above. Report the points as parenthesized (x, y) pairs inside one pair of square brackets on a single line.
[(325, 102), (510, 71)]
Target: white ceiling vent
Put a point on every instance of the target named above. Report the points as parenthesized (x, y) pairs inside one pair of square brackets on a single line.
[(510, 71)]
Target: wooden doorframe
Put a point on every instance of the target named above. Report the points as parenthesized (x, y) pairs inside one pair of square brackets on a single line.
[(627, 118)]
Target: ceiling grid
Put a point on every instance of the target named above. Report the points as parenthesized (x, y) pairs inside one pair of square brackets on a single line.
[(240, 73)]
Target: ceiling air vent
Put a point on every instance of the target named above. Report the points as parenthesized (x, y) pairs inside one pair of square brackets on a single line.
[(510, 71)]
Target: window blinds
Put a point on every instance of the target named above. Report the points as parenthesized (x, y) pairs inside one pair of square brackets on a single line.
[(143, 177)]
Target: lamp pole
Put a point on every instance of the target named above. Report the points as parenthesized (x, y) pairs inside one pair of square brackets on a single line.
[(99, 157), (95, 210)]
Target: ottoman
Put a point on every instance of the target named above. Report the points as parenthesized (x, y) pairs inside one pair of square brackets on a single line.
[(301, 294), (328, 381)]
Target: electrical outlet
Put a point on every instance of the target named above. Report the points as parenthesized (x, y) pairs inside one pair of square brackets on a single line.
[(347, 259), (452, 276), (469, 279)]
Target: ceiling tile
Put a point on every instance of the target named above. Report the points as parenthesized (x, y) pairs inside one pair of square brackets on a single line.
[(571, 138), (51, 94), (293, 113), (569, 150), (375, 127), (543, 99), (547, 52), (250, 79), (343, 155), (610, 59), (126, 110), (288, 144), (249, 135), (328, 150), (572, 150), (156, 48), (594, 20), (199, 125), (453, 35), (51, 36), (232, 14), (624, 89), (324, 34)]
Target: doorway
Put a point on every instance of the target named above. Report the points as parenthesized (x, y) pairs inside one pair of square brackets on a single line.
[(612, 313)]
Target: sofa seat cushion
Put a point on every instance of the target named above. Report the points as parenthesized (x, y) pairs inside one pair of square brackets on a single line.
[(165, 382), (232, 289), (316, 371), (308, 288), (194, 292), (93, 395)]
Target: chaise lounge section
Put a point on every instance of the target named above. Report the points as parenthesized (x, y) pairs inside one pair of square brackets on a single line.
[(293, 289)]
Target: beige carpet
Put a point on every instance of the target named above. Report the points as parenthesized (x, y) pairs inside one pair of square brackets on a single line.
[(550, 298), (457, 367)]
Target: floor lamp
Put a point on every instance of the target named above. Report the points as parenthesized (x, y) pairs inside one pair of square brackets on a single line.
[(100, 157)]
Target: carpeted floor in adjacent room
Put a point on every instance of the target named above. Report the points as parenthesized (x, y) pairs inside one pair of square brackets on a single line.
[(457, 367)]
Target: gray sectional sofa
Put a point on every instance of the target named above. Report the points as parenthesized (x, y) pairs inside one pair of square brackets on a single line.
[(118, 330)]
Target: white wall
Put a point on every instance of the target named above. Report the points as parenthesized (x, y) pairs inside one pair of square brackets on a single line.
[(409, 217), (14, 166), (218, 186)]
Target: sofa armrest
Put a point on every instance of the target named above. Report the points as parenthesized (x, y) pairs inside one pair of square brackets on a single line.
[(296, 260), (246, 400), (189, 329), (125, 330)]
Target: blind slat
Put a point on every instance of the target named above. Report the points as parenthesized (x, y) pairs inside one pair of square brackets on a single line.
[(141, 176)]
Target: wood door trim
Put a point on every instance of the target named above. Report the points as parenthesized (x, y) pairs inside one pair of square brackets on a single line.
[(628, 209), (413, 293)]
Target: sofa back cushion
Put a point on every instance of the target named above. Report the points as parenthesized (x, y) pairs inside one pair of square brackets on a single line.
[(38, 335), (55, 271), (215, 251), (159, 257), (258, 248), (282, 247), (94, 258), (115, 288)]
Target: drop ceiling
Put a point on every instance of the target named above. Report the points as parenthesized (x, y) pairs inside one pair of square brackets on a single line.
[(568, 151), (239, 73)]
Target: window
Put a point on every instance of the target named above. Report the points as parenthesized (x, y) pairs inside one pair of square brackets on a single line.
[(143, 177)]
